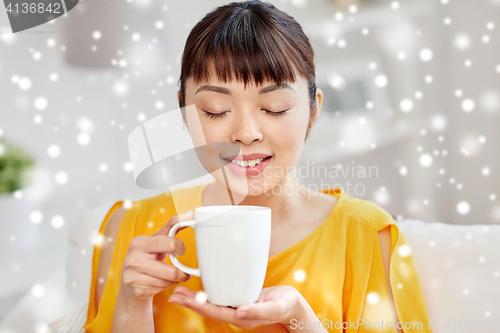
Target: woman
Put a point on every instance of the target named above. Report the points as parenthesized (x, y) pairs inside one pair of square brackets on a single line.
[(248, 69)]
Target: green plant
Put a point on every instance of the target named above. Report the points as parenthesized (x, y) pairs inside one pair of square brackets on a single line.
[(16, 167)]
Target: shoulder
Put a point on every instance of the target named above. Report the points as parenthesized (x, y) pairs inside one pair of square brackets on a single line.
[(167, 200), (114, 222), (367, 214), (155, 211), (367, 224)]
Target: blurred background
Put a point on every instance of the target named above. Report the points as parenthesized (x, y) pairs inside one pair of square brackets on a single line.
[(411, 97)]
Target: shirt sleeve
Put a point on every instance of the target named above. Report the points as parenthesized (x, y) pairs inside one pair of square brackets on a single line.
[(100, 319), (404, 281)]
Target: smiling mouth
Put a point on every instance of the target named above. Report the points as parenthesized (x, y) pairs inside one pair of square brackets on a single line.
[(247, 163)]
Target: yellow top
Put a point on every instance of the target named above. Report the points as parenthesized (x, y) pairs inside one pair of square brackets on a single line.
[(342, 261)]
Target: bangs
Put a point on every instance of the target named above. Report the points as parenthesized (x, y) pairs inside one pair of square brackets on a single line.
[(246, 44)]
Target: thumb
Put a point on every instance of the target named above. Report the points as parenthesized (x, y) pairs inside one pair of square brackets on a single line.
[(189, 215)]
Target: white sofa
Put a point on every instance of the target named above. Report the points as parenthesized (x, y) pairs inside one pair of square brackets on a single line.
[(458, 265)]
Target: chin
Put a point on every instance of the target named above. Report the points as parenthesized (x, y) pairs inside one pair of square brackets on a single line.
[(242, 187)]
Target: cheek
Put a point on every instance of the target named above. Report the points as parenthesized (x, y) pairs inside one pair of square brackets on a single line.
[(203, 130), (213, 131), (291, 134), (194, 125)]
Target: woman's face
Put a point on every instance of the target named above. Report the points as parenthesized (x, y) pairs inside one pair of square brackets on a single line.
[(268, 124)]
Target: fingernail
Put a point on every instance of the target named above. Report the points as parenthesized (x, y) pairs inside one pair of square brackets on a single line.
[(241, 314)]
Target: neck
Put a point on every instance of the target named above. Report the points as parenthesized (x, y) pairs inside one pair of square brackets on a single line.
[(283, 204)]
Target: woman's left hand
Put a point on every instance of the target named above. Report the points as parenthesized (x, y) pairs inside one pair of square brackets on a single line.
[(278, 304)]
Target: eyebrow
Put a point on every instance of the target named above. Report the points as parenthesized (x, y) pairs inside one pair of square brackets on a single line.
[(228, 92)]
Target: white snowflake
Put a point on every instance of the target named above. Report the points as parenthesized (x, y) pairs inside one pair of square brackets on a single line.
[(425, 160), (37, 290), (201, 297), (381, 196), (54, 151), (96, 35), (40, 103), (57, 221), (426, 55), (24, 83), (468, 105), (83, 139), (381, 81), (54, 77), (462, 41), (61, 178), (406, 105), (299, 275), (36, 217), (463, 207), (372, 297), (159, 25), (51, 42), (136, 37)]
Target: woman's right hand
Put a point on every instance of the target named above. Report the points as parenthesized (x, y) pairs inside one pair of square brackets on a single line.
[(144, 274)]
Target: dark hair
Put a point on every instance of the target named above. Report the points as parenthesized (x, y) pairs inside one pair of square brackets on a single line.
[(249, 41)]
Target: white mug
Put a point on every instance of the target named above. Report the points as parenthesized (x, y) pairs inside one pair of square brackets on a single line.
[(232, 246)]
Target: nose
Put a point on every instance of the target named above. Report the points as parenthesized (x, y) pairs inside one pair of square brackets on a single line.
[(246, 129)]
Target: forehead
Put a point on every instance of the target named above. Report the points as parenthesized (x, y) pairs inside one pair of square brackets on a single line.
[(266, 86), (238, 82)]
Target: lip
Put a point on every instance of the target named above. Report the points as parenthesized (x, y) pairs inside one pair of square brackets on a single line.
[(249, 171), (247, 157)]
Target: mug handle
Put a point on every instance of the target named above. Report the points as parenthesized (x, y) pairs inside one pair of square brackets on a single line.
[(173, 257)]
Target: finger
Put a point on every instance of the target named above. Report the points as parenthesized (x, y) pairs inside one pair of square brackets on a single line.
[(189, 215), (206, 309), (161, 270), (215, 312), (263, 311), (146, 280), (185, 291), (173, 221), (161, 256), (166, 228), (177, 298), (180, 294), (164, 244)]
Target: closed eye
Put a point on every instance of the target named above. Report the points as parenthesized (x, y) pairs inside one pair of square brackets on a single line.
[(215, 115), (222, 114), (276, 113)]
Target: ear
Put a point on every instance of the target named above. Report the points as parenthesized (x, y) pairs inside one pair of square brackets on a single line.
[(319, 101), (178, 97)]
